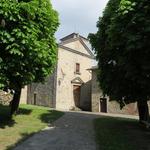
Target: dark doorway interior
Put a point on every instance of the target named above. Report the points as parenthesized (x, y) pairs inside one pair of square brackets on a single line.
[(34, 102), (103, 105), (76, 95)]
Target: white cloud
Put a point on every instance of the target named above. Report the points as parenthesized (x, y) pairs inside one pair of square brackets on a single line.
[(78, 15)]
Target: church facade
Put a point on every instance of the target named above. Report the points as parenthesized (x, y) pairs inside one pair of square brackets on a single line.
[(69, 87)]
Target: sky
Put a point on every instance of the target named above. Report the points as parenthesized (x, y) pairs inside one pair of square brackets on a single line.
[(78, 16)]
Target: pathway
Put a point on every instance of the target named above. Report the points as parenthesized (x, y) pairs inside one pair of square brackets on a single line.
[(73, 131)]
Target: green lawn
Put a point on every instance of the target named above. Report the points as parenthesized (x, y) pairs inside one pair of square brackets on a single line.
[(121, 134), (30, 119)]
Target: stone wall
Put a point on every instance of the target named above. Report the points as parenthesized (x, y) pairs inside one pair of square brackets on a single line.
[(23, 98), (96, 92), (85, 99), (42, 94), (5, 97), (112, 106)]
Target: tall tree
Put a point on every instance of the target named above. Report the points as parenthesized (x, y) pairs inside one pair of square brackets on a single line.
[(27, 43), (123, 51)]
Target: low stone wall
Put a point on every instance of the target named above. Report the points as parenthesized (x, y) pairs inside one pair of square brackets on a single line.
[(42, 94), (5, 97), (114, 107)]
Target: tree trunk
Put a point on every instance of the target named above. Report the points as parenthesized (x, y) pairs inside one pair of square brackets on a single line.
[(143, 111), (15, 102)]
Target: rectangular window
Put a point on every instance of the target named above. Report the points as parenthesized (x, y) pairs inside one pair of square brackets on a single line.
[(77, 68)]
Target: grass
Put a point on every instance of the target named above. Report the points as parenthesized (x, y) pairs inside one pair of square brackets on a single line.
[(121, 134), (30, 120)]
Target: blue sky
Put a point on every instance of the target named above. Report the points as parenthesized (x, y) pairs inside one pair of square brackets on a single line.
[(78, 16)]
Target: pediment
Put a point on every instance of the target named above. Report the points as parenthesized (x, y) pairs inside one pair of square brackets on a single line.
[(77, 80), (78, 45)]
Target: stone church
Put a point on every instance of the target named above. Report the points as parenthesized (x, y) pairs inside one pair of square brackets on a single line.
[(73, 85), (69, 87)]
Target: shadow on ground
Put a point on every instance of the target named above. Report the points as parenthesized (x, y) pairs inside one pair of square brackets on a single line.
[(112, 133), (47, 118), (6, 120), (121, 133), (24, 136), (28, 121)]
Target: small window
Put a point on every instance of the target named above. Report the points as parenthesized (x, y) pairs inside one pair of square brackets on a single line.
[(77, 68)]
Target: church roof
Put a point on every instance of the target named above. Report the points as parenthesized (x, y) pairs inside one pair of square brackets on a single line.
[(71, 36)]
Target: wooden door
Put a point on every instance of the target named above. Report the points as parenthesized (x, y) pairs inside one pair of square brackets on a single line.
[(76, 95), (103, 105)]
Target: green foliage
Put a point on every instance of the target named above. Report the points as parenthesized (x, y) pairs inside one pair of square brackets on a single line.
[(123, 50), (28, 46)]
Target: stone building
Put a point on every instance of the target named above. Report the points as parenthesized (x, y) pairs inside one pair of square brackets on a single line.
[(101, 104), (69, 87), (73, 85)]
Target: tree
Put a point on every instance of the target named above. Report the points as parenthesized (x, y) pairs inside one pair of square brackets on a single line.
[(27, 42), (123, 50)]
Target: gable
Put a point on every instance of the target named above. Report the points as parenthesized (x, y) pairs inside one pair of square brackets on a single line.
[(78, 45)]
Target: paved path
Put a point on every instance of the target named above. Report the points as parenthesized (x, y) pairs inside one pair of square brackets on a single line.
[(73, 131)]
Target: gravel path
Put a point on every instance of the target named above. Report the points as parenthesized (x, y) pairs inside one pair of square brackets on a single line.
[(73, 131)]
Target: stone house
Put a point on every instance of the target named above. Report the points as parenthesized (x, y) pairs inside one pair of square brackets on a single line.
[(69, 87), (101, 104)]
